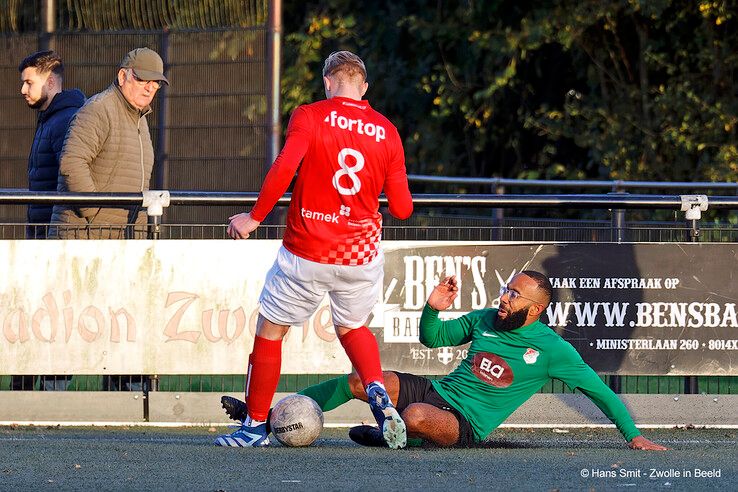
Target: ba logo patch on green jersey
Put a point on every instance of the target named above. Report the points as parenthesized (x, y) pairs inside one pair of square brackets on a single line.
[(492, 369)]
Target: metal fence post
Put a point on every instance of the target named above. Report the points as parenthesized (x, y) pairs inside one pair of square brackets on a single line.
[(617, 234), (498, 215), (694, 230), (693, 206), (162, 134), (46, 39), (155, 201), (150, 383), (691, 383), (274, 47), (274, 119), (155, 230), (617, 220)]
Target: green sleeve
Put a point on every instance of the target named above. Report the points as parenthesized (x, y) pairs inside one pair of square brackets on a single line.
[(449, 333), (567, 365)]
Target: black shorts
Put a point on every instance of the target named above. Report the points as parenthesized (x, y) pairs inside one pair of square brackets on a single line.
[(417, 389)]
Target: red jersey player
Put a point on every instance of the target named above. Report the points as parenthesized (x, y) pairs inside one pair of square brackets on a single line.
[(346, 154)]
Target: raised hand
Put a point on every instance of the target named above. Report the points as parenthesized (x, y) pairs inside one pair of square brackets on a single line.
[(444, 293)]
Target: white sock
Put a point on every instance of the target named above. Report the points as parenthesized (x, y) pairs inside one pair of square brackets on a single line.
[(253, 423)]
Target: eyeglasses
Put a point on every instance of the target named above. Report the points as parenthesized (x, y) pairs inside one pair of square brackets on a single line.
[(143, 83), (514, 294)]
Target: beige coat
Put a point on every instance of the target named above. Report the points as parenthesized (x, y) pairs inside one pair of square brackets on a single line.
[(107, 149)]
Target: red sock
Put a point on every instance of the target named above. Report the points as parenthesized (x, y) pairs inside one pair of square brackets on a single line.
[(362, 349), (265, 363)]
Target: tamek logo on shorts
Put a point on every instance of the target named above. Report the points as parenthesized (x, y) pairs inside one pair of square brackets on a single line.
[(358, 126), (492, 369)]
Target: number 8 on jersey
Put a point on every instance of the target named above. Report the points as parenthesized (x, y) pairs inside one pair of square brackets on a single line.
[(350, 172)]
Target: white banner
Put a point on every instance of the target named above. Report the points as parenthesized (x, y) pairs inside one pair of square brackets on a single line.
[(145, 307)]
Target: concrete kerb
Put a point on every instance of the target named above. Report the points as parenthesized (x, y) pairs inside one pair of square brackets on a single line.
[(204, 409)]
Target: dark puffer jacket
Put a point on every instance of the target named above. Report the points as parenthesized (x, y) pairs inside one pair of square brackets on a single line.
[(43, 161)]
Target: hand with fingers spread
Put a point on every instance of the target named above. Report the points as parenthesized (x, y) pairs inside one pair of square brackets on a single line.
[(640, 442), (241, 225), (444, 293)]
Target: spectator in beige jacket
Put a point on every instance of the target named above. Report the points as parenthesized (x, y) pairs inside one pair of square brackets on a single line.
[(108, 149)]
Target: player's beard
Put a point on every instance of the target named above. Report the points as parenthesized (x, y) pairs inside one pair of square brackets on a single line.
[(514, 320)]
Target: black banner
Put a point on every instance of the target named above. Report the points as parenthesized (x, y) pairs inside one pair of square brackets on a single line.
[(640, 309)]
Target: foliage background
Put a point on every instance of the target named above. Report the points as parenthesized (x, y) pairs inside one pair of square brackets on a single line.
[(629, 89), (617, 89)]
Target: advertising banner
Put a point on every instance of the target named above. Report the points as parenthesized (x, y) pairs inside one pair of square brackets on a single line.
[(648, 309), (190, 307)]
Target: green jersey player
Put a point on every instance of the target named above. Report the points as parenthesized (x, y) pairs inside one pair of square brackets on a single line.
[(511, 356)]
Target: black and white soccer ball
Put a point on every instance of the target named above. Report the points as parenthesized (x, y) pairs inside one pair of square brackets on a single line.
[(296, 421)]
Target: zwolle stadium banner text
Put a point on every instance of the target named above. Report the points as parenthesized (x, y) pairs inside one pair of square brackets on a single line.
[(190, 307)]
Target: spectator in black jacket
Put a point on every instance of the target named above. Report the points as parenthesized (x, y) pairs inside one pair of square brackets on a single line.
[(41, 76), (41, 79)]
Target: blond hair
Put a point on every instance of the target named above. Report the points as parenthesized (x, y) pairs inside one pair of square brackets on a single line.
[(345, 63)]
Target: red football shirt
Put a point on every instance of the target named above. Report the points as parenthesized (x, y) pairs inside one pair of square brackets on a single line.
[(345, 153)]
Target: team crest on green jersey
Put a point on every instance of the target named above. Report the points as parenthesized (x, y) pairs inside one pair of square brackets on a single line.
[(531, 356)]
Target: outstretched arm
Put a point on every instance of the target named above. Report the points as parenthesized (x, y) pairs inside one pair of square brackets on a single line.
[(278, 178), (568, 366)]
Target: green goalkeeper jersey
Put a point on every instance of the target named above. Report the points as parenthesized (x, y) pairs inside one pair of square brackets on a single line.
[(505, 368)]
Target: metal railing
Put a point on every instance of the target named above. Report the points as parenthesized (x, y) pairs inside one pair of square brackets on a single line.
[(603, 201), (616, 185), (155, 201)]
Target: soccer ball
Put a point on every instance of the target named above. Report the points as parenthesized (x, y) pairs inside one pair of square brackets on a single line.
[(296, 421)]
